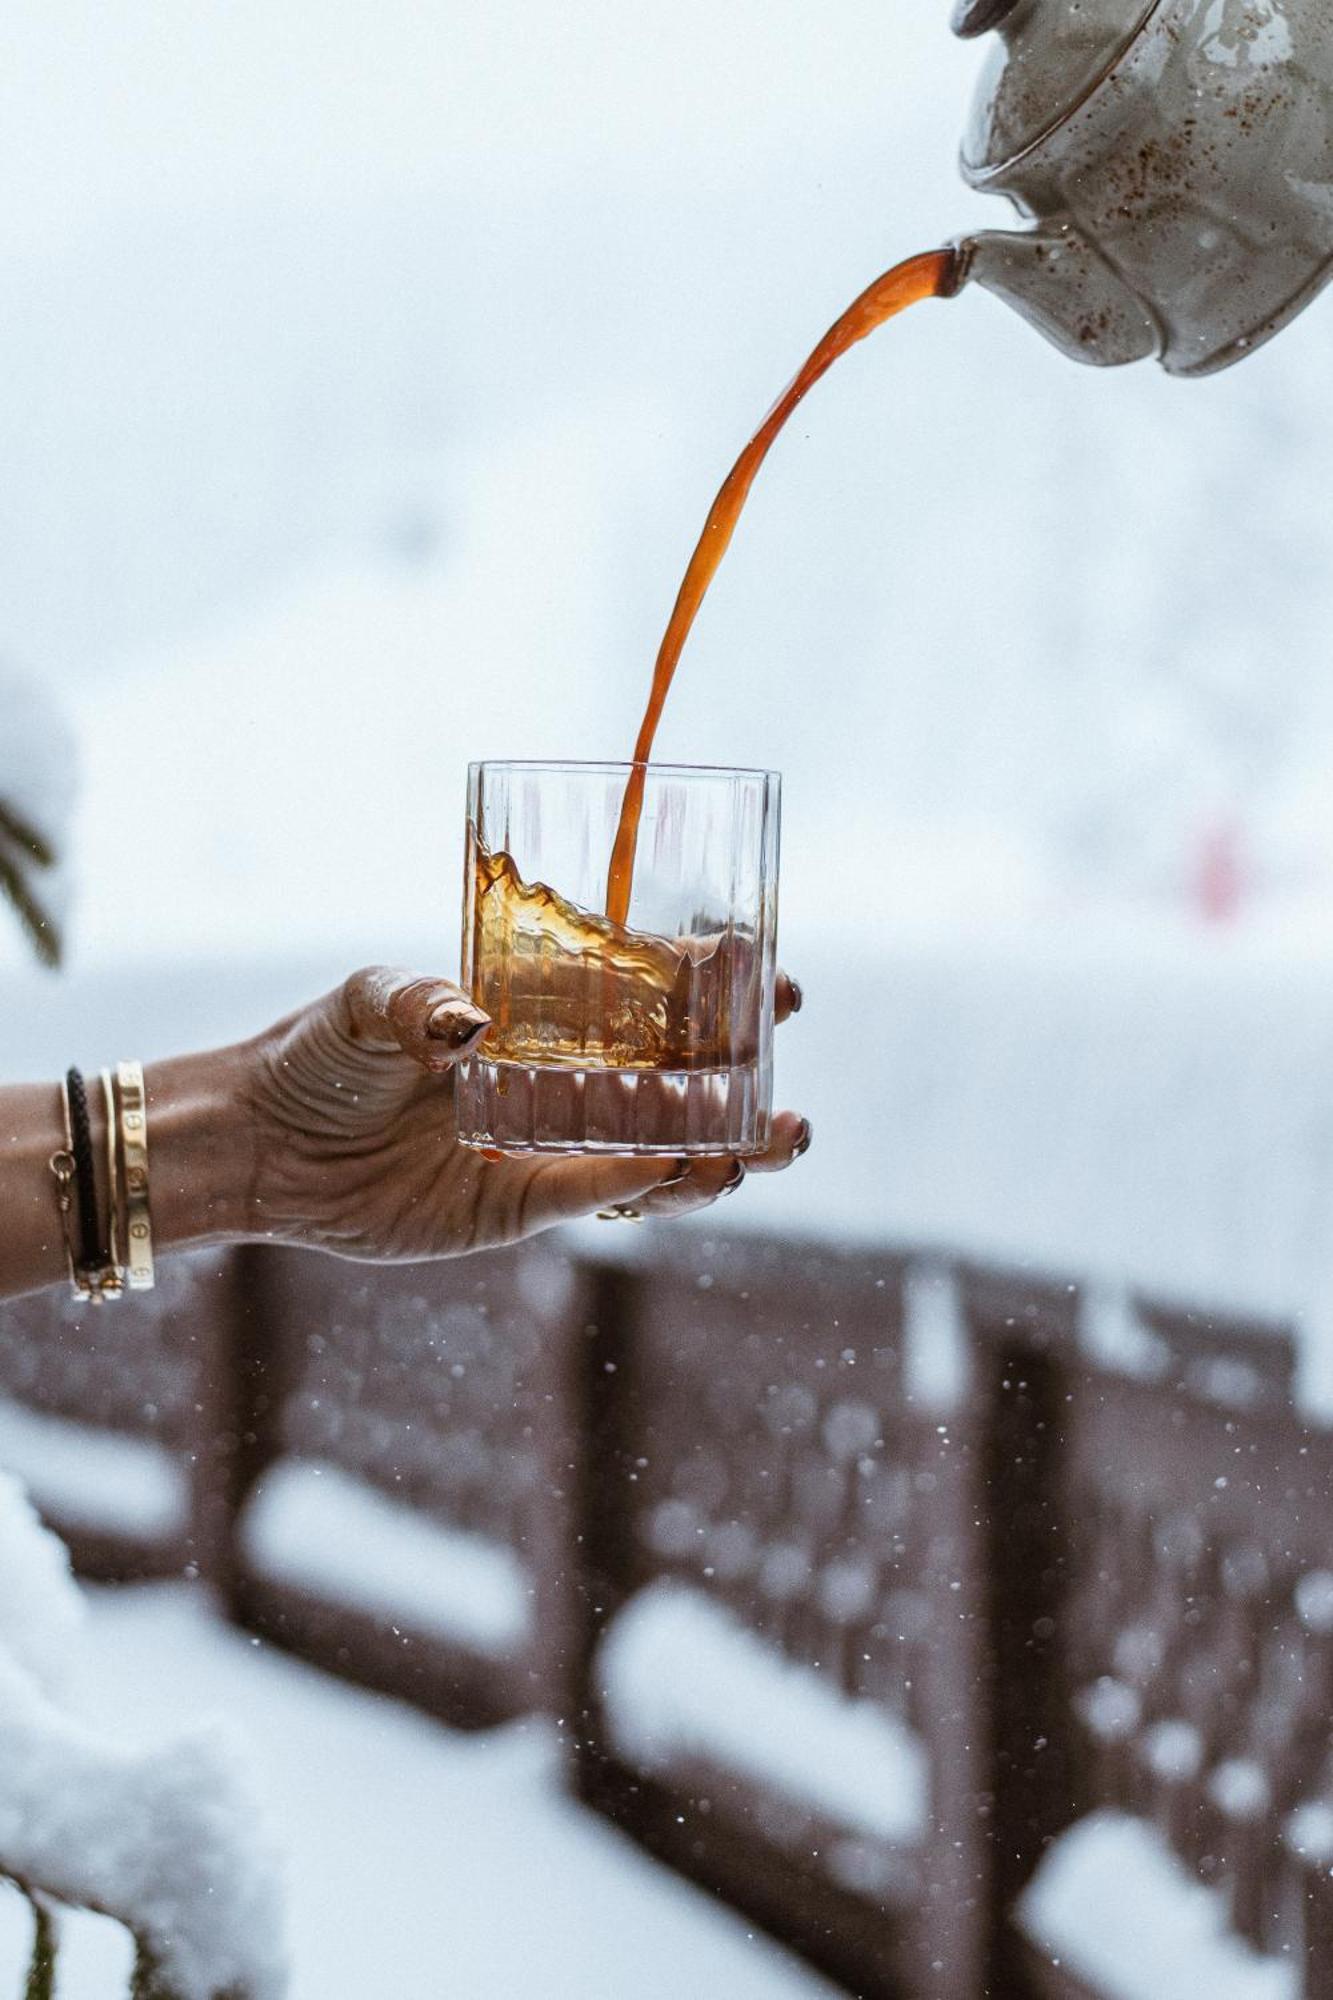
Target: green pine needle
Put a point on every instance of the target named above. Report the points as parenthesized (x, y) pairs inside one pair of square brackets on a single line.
[(40, 926), (25, 835), (42, 1973)]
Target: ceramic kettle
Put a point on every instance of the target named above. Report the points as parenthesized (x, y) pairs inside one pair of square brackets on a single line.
[(1176, 159)]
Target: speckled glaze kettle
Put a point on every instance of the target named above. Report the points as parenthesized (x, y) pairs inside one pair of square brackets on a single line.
[(1176, 157)]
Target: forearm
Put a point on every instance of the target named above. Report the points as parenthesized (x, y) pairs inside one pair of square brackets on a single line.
[(200, 1170)]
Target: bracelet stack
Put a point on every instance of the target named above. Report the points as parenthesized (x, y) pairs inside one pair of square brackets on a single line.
[(103, 1262)]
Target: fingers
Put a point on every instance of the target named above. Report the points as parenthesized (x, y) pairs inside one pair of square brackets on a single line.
[(695, 1184), (699, 1183), (789, 1138), (787, 997), (566, 1190), (569, 1189), (430, 1020)]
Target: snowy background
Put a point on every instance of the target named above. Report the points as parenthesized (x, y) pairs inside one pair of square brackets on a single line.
[(367, 372)]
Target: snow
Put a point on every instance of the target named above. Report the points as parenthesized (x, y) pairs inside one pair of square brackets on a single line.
[(682, 1677), (90, 1478), (167, 1838), (1314, 1600), (1112, 1903), (38, 756), (41, 1611), (311, 1525), (420, 1862), (935, 1347), (1309, 1833)]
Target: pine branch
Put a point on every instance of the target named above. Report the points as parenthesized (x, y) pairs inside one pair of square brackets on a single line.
[(25, 835), (42, 1973), (41, 928)]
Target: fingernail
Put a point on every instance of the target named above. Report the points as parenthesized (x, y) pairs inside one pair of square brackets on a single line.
[(455, 1024), (733, 1180), (682, 1173), (797, 997), (803, 1138)]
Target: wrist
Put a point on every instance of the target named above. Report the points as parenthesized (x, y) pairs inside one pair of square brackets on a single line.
[(201, 1148)]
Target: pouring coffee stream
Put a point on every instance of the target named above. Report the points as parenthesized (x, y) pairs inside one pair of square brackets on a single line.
[(925, 277)]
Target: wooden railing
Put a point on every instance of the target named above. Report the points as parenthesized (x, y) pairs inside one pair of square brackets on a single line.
[(1078, 1582)]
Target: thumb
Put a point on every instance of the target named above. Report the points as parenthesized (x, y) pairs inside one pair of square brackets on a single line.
[(428, 1019)]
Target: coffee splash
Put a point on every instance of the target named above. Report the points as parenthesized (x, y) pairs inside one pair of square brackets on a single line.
[(566, 987)]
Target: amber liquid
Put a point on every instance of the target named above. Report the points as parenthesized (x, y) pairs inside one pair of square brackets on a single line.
[(933, 275), (565, 987)]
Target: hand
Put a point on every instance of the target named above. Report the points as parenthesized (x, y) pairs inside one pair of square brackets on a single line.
[(355, 1148)]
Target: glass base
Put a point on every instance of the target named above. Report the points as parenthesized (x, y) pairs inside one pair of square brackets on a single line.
[(509, 1107)]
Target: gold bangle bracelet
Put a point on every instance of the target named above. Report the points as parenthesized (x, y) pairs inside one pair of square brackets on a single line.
[(113, 1176), (134, 1159)]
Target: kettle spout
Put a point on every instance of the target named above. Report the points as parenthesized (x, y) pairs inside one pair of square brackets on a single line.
[(1063, 287)]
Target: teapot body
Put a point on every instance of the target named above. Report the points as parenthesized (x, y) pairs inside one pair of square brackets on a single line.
[(1182, 191)]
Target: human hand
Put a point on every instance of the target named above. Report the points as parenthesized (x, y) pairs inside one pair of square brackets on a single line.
[(355, 1149)]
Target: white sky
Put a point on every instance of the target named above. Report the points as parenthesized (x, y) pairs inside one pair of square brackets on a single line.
[(159, 103)]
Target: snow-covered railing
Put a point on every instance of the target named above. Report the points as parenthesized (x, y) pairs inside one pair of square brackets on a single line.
[(857, 1579), (113, 1420), (1157, 1530), (774, 1525)]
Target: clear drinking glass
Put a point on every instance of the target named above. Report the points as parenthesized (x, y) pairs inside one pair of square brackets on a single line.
[(650, 1036)]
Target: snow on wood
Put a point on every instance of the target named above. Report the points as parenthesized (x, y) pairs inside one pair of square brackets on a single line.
[(40, 1608), (1113, 1904), (166, 1839), (90, 1478), (313, 1526), (681, 1677)]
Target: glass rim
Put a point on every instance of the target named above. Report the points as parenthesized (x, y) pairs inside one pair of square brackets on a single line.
[(621, 768)]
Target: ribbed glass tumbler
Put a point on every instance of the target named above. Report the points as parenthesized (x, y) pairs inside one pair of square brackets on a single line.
[(649, 1035)]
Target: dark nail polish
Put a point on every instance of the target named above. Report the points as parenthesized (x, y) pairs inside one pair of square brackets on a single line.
[(733, 1180), (456, 1025), (803, 1138), (682, 1173), (797, 997)]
